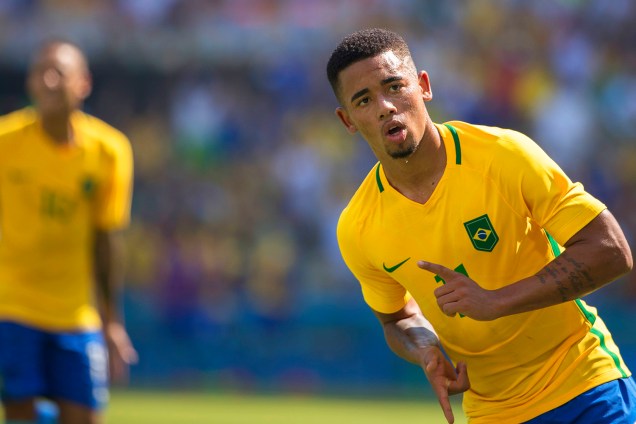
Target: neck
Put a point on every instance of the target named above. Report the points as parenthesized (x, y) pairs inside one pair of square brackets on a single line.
[(417, 176), (58, 128)]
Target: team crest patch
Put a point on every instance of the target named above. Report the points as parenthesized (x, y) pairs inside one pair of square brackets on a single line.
[(481, 233), (88, 187)]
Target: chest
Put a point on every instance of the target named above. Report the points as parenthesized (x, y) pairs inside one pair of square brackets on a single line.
[(467, 225), (51, 182)]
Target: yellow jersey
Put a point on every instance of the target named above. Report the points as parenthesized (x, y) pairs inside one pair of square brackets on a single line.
[(52, 198), (501, 211)]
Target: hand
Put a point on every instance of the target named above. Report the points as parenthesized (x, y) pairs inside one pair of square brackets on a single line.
[(461, 295), (121, 352), (444, 379)]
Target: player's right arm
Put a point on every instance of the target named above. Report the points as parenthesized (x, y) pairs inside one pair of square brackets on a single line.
[(407, 332), (411, 337)]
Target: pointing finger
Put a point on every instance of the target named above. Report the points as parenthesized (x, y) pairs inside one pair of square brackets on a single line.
[(436, 269), (441, 391)]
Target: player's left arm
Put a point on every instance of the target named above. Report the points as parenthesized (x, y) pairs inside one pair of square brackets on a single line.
[(112, 216), (594, 256), (109, 274)]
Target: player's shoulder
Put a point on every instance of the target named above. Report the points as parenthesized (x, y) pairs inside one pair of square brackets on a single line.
[(486, 135), (98, 128), (100, 131), (14, 122), (363, 201), (480, 143)]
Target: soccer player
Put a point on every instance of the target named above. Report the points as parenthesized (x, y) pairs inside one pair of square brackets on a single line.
[(469, 241), (65, 191)]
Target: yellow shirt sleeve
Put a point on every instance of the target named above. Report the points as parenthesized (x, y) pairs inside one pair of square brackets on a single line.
[(380, 292), (544, 191), (114, 201)]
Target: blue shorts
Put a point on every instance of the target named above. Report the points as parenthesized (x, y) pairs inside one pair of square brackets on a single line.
[(69, 366), (609, 403)]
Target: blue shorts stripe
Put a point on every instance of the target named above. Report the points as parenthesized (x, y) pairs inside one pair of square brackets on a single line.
[(610, 403)]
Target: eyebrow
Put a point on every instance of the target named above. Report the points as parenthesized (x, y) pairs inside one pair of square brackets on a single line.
[(359, 94), (366, 90)]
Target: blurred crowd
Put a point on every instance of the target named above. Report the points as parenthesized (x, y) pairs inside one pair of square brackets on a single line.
[(234, 275)]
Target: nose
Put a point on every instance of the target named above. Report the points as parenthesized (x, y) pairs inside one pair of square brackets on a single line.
[(387, 108)]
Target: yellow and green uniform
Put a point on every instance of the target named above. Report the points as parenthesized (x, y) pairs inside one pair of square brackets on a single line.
[(502, 210), (52, 198)]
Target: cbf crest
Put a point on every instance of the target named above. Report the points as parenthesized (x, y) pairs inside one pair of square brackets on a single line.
[(482, 234), (88, 187)]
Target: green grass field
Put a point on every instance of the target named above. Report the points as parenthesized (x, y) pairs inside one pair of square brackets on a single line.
[(146, 407)]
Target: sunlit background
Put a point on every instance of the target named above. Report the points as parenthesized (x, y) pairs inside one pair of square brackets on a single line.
[(235, 281)]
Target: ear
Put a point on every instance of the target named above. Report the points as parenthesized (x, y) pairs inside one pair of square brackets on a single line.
[(344, 118), (85, 87), (425, 85)]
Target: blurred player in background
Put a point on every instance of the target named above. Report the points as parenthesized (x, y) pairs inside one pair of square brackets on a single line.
[(469, 239), (65, 192)]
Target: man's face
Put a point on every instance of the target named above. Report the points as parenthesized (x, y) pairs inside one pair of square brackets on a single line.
[(383, 98), (58, 80)]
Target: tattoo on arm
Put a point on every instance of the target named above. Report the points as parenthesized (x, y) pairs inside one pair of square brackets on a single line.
[(422, 336), (568, 275)]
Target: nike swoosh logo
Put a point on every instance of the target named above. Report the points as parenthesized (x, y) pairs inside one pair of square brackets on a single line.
[(394, 267)]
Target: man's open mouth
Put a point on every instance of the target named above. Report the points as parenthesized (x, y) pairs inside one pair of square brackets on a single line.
[(393, 127), (395, 132)]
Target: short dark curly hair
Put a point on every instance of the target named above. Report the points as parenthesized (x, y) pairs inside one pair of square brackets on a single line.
[(361, 45)]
